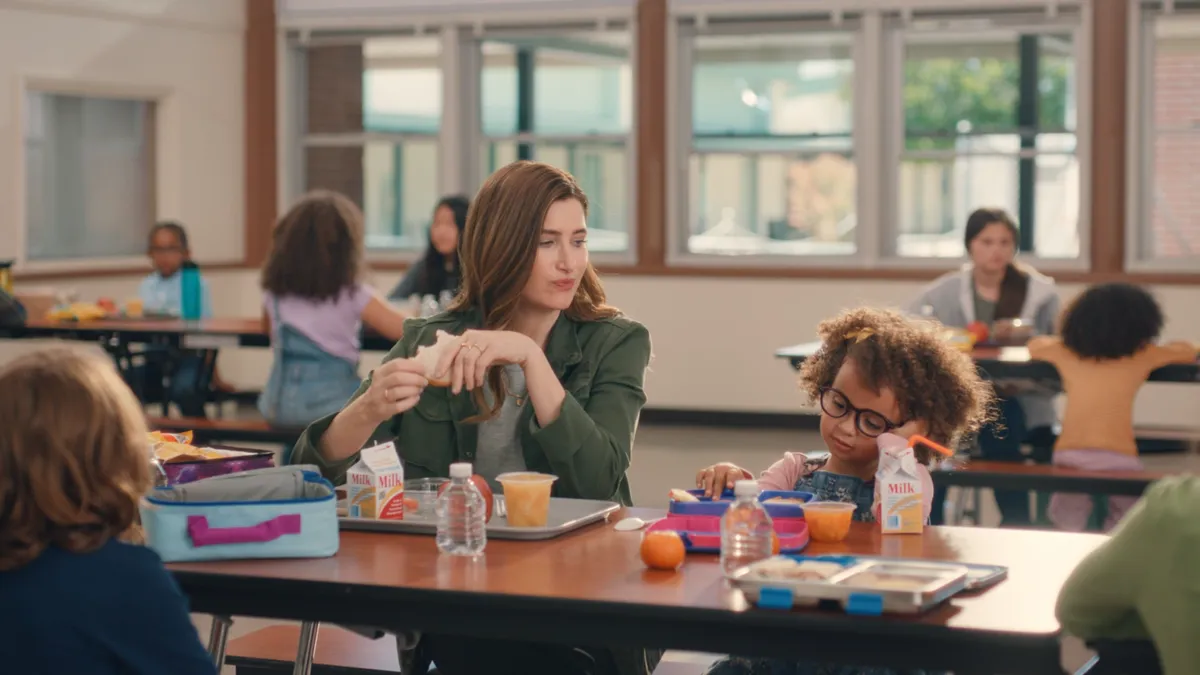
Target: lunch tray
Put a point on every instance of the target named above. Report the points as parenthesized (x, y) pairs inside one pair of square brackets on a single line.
[(702, 534), (565, 515), (943, 580), (708, 506)]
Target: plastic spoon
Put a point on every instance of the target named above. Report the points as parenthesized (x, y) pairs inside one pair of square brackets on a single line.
[(631, 524)]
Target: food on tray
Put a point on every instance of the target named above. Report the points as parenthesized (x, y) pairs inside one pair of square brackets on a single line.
[(527, 497), (785, 500), (663, 550), (678, 495), (429, 355), (77, 311), (795, 570), (889, 581)]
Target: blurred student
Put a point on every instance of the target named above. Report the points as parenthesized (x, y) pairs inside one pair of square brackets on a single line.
[(161, 292), (437, 271), (78, 591), (315, 303), (993, 287), (1107, 350)]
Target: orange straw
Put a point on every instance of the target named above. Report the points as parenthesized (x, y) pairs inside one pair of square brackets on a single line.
[(913, 440)]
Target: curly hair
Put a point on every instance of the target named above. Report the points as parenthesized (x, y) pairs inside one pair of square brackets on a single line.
[(1111, 321), (317, 248), (933, 382), (73, 454)]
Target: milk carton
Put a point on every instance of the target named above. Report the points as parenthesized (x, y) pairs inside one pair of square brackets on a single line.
[(902, 485), (375, 485)]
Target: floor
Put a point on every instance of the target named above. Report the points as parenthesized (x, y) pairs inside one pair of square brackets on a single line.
[(669, 457)]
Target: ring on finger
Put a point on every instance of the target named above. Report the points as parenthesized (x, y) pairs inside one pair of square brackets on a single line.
[(477, 347)]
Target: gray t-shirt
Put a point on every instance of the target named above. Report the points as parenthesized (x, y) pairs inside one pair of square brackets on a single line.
[(498, 449), (985, 310)]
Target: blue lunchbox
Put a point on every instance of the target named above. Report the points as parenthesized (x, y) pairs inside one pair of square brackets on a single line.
[(283, 512), (709, 506)]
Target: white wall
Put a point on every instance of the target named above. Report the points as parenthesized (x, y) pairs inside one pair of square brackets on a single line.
[(188, 54), (714, 339)]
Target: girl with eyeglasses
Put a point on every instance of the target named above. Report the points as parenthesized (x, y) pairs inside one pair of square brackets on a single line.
[(876, 372)]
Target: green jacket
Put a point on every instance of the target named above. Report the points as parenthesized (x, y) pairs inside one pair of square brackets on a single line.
[(601, 364), (1144, 582)]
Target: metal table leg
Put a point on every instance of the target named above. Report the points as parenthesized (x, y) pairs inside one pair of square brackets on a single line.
[(218, 637), (307, 649)]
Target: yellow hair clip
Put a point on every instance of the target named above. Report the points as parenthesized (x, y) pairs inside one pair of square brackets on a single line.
[(860, 335)]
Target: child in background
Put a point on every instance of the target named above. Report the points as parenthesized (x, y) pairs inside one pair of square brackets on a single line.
[(79, 595), (161, 292), (1105, 353), (876, 372), (315, 303), (437, 271)]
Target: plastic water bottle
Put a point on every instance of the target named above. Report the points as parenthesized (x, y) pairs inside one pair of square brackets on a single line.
[(190, 290), (461, 515), (444, 299), (746, 529)]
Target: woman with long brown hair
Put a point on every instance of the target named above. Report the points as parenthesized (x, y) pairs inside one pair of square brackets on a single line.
[(543, 376)]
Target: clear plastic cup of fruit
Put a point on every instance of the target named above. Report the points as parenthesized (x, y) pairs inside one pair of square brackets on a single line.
[(527, 497), (421, 494), (828, 522)]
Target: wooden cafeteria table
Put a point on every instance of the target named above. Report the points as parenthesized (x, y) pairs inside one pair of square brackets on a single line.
[(204, 335), (589, 587), (1011, 363)]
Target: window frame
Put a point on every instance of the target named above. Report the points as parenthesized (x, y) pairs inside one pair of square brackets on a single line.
[(461, 136), (479, 138), (293, 123), (160, 102), (895, 136), (1141, 137), (682, 29)]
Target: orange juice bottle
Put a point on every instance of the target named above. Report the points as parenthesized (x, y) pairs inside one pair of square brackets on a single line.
[(899, 488)]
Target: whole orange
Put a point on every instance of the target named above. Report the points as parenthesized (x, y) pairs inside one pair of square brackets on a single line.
[(663, 550)]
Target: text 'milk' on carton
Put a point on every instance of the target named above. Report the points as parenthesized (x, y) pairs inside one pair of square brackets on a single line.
[(375, 485)]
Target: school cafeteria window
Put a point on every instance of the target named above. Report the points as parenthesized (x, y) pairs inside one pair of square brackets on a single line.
[(766, 164), (374, 110), (565, 98), (986, 113), (1165, 201), (89, 176)]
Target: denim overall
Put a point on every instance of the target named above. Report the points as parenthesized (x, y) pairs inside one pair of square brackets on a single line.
[(833, 487), (306, 382)]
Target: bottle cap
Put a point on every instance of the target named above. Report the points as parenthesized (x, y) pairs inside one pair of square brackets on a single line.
[(745, 488), (460, 470)]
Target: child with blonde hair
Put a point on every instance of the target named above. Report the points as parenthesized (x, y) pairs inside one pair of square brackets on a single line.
[(876, 372), (79, 592)]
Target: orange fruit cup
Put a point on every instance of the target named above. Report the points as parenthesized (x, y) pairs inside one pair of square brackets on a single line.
[(527, 497), (828, 522)]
